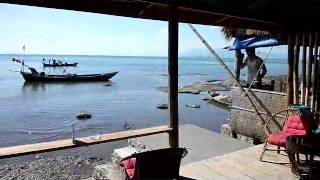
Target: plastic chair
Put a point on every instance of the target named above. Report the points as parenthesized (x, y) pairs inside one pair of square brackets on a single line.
[(294, 123), (156, 164)]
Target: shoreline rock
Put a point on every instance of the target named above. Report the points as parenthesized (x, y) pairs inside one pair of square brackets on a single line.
[(193, 106)]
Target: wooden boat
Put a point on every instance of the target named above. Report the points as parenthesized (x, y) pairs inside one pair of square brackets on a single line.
[(59, 64), (16, 60), (34, 76)]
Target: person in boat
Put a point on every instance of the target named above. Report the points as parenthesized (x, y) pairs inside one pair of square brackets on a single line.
[(253, 63)]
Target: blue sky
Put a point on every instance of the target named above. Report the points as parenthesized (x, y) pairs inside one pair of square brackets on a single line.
[(50, 31)]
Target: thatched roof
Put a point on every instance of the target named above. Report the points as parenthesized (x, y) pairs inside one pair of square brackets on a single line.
[(229, 32), (274, 15)]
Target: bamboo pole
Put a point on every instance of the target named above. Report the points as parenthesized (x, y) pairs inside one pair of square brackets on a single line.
[(315, 72), (225, 67), (173, 28), (309, 70), (304, 67), (296, 70), (290, 70)]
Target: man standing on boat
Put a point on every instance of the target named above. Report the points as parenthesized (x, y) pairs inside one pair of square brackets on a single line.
[(253, 62)]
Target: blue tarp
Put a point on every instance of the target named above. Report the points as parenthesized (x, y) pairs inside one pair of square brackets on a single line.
[(254, 42)]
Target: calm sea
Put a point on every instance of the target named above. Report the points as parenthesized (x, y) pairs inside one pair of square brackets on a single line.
[(31, 113)]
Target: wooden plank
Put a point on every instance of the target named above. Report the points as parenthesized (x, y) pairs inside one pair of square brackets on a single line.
[(226, 170), (204, 170), (303, 69), (309, 70), (173, 29), (243, 164), (315, 72), (20, 150), (187, 171), (290, 69), (296, 70)]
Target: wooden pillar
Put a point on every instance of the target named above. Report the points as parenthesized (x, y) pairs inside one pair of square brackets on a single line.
[(290, 69), (173, 28), (309, 69), (237, 65), (304, 68), (315, 72), (296, 69)]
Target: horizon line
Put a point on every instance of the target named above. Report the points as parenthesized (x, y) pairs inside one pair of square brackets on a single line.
[(147, 56)]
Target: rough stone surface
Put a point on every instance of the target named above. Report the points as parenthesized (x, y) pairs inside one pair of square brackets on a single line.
[(61, 167), (226, 129)]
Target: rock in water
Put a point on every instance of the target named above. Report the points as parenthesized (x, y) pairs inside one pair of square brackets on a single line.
[(193, 105), (205, 98), (162, 106), (107, 84), (84, 116)]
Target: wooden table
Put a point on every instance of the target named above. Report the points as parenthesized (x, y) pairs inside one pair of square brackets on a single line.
[(309, 146)]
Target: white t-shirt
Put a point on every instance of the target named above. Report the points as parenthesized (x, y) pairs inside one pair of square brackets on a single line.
[(253, 65)]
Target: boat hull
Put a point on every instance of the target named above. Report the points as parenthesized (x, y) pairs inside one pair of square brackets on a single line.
[(59, 65), (29, 77)]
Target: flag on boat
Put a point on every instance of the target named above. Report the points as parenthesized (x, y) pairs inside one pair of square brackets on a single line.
[(254, 42)]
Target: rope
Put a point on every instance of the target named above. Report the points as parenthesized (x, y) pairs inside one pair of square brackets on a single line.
[(226, 68), (263, 62)]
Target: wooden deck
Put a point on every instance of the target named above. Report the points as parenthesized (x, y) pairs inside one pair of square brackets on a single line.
[(243, 164)]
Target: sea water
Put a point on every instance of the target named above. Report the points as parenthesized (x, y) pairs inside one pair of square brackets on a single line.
[(39, 112)]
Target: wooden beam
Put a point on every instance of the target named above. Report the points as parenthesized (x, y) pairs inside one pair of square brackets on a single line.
[(304, 68), (15, 151), (173, 28), (290, 69)]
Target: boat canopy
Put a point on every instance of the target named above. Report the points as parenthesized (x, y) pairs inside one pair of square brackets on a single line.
[(254, 42)]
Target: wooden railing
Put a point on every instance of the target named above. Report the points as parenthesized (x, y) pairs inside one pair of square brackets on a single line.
[(20, 150)]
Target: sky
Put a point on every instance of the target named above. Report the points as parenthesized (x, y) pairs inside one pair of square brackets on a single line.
[(51, 31)]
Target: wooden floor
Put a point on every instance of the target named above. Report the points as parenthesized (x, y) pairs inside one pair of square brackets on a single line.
[(243, 164)]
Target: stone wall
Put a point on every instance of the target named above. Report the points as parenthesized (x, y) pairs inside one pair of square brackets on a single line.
[(243, 118)]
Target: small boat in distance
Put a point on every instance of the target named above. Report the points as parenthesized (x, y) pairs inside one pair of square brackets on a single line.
[(35, 76), (16, 60), (57, 63)]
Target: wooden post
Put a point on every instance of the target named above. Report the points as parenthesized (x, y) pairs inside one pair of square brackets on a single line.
[(296, 70), (304, 68), (173, 28), (290, 70), (237, 65), (309, 70), (315, 72)]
